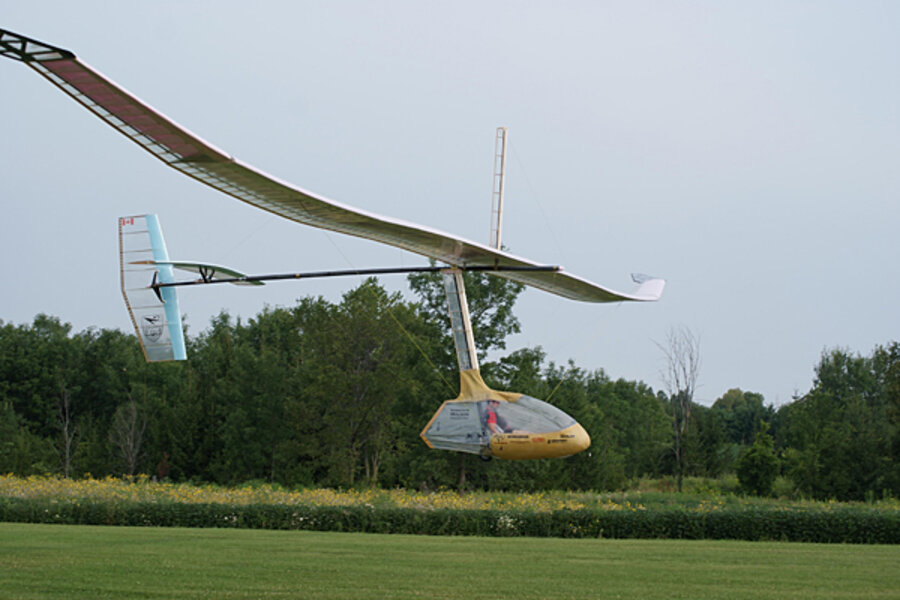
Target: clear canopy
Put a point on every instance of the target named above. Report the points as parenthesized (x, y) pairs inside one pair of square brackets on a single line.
[(468, 426)]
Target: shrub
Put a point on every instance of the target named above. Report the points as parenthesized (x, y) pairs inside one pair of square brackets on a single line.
[(859, 525)]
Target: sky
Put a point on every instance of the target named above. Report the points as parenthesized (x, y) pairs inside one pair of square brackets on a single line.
[(745, 152)]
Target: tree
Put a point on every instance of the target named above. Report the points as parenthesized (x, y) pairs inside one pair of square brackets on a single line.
[(9, 429), (35, 362), (758, 465), (743, 413), (127, 434), (682, 353), (633, 422), (892, 401), (491, 300), (709, 453), (839, 436), (68, 429), (357, 368)]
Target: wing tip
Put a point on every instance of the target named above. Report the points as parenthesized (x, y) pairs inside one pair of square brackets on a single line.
[(648, 288), (25, 49)]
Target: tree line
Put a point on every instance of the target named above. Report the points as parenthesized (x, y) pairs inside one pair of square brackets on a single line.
[(335, 394)]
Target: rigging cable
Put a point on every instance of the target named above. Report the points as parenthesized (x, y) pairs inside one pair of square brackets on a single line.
[(270, 219), (547, 224), (570, 372), (394, 317)]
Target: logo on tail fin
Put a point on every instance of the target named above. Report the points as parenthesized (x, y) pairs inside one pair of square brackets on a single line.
[(152, 327)]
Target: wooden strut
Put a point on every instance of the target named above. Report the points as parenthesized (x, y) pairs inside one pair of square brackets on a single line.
[(460, 323)]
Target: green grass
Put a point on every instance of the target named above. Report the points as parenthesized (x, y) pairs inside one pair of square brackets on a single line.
[(66, 561)]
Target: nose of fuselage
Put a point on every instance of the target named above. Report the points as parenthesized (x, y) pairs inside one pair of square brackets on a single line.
[(581, 441), (556, 444)]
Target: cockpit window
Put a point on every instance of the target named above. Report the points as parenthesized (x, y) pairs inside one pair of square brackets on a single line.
[(468, 426), (526, 415)]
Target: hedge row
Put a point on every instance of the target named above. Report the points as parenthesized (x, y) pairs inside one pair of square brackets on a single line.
[(853, 525)]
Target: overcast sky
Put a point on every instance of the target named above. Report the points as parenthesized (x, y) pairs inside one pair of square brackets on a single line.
[(746, 152)]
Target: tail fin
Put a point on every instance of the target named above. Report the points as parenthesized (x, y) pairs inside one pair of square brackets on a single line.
[(156, 317)]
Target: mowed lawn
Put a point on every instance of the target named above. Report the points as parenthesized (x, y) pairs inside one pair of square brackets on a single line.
[(67, 561)]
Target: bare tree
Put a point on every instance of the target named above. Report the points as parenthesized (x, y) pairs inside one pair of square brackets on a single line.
[(682, 352), (127, 434), (67, 427)]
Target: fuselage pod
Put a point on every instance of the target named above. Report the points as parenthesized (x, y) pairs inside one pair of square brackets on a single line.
[(503, 424), (554, 444)]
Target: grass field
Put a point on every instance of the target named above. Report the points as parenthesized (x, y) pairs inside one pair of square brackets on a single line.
[(67, 561)]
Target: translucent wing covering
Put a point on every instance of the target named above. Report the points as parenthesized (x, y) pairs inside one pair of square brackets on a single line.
[(156, 318), (185, 152)]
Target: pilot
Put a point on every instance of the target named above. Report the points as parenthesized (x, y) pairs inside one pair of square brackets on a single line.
[(494, 422)]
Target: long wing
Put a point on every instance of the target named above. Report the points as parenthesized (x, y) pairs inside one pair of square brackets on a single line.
[(196, 158)]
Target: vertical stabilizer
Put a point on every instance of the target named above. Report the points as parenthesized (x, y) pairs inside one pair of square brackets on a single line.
[(156, 317)]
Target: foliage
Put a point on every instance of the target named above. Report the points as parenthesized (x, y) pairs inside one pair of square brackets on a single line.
[(758, 465), (842, 438), (742, 414), (705, 514), (335, 394), (491, 300), (843, 525)]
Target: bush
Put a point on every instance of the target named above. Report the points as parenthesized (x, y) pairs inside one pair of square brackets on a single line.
[(784, 487), (851, 525)]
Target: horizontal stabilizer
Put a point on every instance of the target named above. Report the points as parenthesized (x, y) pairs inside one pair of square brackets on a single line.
[(207, 272)]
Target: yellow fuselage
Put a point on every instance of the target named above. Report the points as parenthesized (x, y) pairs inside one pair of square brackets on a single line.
[(521, 427), (556, 444)]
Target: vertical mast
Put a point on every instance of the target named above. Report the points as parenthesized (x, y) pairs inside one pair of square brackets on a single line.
[(497, 195), (461, 326), (454, 287)]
